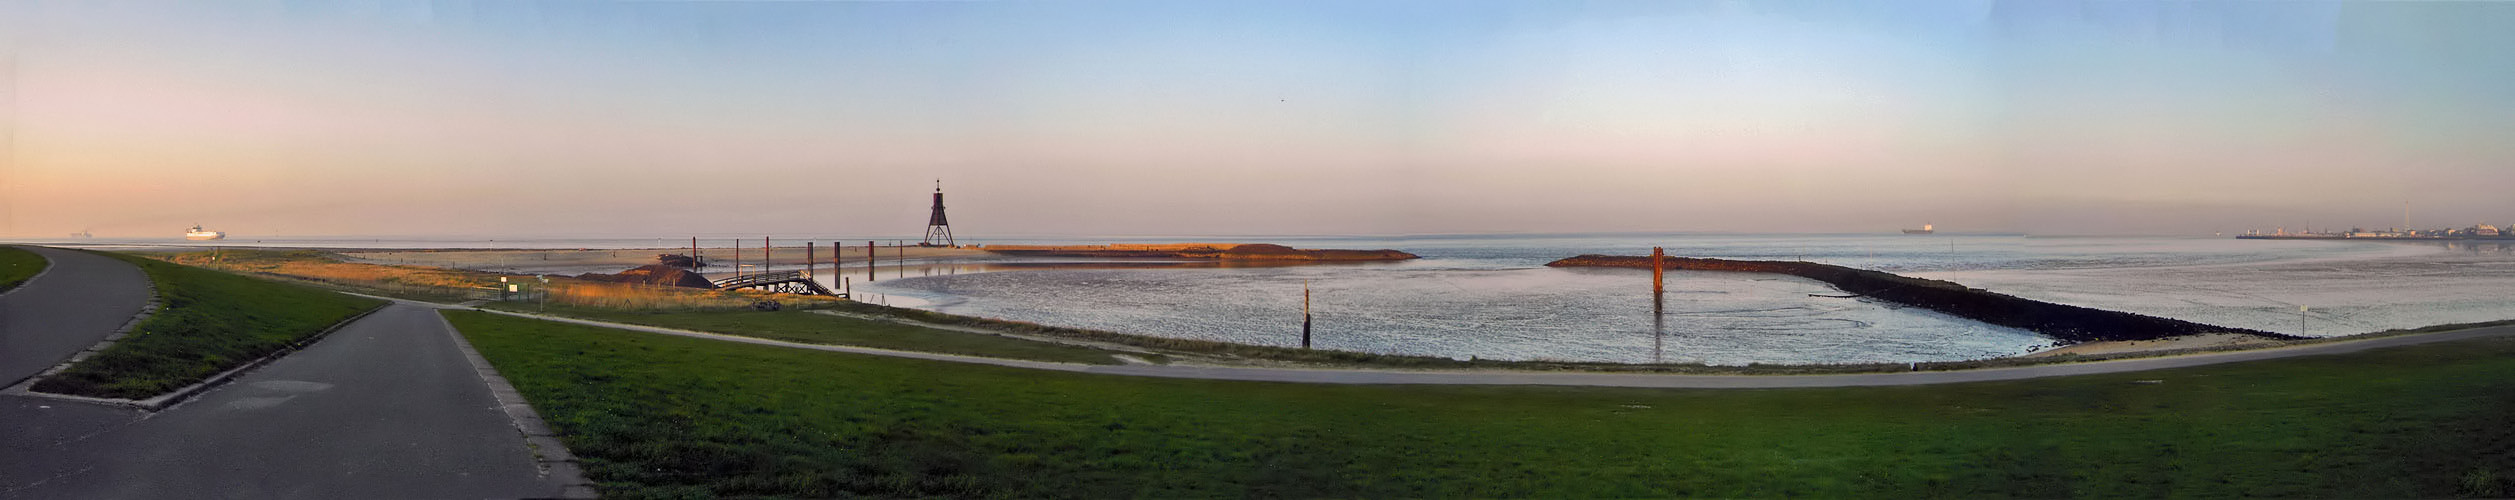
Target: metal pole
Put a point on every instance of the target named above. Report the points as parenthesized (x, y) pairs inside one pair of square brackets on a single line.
[(1305, 314), (737, 257), (766, 261)]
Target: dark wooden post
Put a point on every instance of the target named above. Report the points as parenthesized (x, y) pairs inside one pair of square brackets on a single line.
[(869, 263), (1305, 314), (694, 254), (737, 257), (808, 260), (766, 260)]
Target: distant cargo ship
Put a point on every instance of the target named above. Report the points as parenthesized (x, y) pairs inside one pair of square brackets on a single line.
[(1925, 229), (199, 234)]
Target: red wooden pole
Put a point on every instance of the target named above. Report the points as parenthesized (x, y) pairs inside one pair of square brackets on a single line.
[(1658, 288)]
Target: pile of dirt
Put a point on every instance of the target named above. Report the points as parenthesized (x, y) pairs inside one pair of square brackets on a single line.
[(680, 261), (654, 274)]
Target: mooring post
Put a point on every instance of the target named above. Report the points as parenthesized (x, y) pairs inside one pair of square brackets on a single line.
[(766, 260), (694, 254), (1658, 286), (737, 257), (1305, 314), (808, 260), (869, 263)]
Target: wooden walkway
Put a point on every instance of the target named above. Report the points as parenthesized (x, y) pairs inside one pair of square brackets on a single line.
[(780, 282)]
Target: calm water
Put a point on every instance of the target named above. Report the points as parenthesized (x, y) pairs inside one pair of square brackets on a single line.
[(1491, 297)]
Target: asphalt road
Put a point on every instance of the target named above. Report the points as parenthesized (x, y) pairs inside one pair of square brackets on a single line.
[(1497, 377), (74, 304), (387, 407)]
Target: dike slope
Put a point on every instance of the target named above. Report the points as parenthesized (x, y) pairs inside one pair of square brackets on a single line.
[(2061, 321), (1210, 251)]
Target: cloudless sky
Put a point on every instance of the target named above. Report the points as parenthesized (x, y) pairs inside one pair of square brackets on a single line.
[(137, 119)]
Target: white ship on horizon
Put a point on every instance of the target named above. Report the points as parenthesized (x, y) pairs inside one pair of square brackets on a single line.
[(199, 234), (1925, 229)]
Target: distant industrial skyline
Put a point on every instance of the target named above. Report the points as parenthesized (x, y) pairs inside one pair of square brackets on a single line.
[(1252, 118)]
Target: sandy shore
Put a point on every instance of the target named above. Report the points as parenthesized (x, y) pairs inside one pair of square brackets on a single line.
[(614, 260), (2165, 344)]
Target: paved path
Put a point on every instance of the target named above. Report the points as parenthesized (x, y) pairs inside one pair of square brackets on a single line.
[(387, 407), (74, 304), (1498, 377)]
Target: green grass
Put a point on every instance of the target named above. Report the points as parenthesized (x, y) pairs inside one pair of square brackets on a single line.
[(207, 322), (812, 328), (662, 416), (18, 265)]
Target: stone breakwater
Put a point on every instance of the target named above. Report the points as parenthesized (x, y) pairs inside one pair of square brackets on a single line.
[(2060, 321), (1214, 251)]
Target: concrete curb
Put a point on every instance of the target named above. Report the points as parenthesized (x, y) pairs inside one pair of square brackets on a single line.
[(549, 453), (177, 396)]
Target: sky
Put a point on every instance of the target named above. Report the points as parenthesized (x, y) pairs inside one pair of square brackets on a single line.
[(1054, 118)]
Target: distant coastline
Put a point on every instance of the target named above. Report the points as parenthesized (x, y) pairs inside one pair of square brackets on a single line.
[(2372, 238), (1206, 251)]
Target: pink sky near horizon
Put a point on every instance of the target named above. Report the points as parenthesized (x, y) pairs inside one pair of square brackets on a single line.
[(140, 122)]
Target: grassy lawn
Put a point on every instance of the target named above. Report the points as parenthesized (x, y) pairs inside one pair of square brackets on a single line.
[(18, 265), (663, 416), (811, 328), (207, 322)]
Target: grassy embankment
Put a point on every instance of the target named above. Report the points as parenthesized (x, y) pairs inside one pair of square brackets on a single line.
[(207, 322), (17, 266), (655, 415)]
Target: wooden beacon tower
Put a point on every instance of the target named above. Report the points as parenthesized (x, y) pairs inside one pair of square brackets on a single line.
[(938, 229)]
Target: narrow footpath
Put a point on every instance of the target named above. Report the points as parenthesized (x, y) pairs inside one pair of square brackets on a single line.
[(387, 407), (1593, 379)]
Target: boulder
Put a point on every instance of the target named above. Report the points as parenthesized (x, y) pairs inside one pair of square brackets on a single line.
[(654, 274)]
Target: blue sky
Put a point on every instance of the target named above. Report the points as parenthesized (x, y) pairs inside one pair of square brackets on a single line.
[(1148, 118)]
